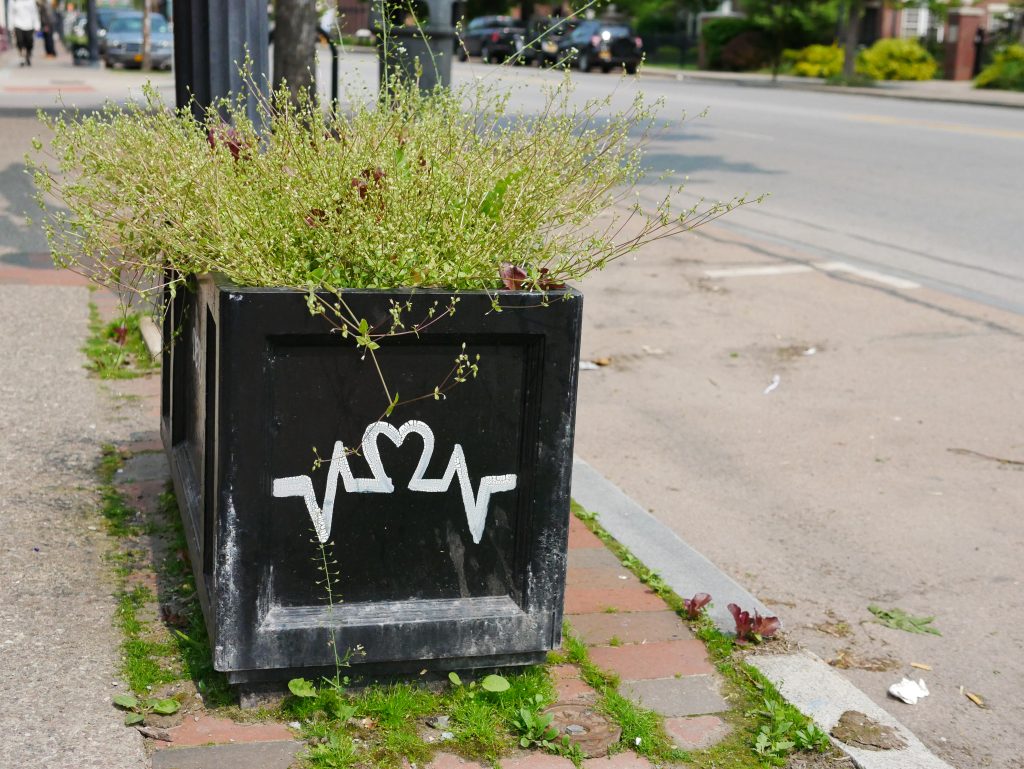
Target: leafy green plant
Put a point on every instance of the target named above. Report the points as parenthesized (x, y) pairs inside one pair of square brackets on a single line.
[(896, 59), (785, 729), (436, 189), (138, 708), (535, 729), (492, 683), (901, 620), (815, 61), (116, 350), (717, 33), (1006, 70)]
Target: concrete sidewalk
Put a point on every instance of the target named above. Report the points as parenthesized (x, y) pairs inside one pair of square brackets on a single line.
[(948, 91)]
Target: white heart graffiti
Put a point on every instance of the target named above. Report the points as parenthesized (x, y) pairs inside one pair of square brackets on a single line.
[(380, 482)]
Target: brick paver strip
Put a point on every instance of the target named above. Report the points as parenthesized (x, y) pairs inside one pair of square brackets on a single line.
[(626, 760), (592, 558), (583, 600), (253, 755), (570, 688), (686, 696), (537, 761), (696, 733), (664, 659), (630, 628), (452, 761), (603, 578), (219, 730), (580, 536)]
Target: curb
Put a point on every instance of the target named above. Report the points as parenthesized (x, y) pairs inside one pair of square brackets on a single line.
[(804, 679), (821, 87), (661, 550), (812, 686)]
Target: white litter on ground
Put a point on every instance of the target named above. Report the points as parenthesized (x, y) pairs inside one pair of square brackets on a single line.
[(909, 691)]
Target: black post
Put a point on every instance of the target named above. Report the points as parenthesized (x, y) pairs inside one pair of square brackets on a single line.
[(212, 39), (92, 30)]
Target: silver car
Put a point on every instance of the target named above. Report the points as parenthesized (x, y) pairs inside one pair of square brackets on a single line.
[(124, 41)]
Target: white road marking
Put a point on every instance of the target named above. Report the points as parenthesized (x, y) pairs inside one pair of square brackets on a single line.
[(878, 277), (757, 271), (762, 270)]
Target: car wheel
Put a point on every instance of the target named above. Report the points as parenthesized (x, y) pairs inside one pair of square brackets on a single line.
[(606, 68), (583, 63), (485, 55), (631, 69), (460, 54)]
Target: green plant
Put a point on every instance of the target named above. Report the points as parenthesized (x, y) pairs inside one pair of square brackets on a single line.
[(1006, 70), (534, 728), (896, 59), (815, 61), (138, 708), (785, 729), (717, 33), (439, 189), (900, 620), (116, 350)]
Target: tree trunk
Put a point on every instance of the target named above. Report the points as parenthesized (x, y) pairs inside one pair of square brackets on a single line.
[(855, 11), (295, 45), (147, 37)]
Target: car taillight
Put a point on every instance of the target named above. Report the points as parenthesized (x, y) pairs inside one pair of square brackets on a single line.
[(639, 43), (595, 41), (495, 37)]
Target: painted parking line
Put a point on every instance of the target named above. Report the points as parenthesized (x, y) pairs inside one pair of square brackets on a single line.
[(758, 271), (767, 270), (877, 277)]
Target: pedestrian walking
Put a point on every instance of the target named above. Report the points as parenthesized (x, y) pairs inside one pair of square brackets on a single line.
[(46, 21), (24, 19)]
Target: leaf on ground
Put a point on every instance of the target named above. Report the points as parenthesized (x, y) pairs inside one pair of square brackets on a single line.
[(495, 683), (125, 701), (130, 719), (166, 707), (900, 620), (976, 699)]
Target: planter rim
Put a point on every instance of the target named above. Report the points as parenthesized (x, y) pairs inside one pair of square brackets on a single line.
[(221, 281)]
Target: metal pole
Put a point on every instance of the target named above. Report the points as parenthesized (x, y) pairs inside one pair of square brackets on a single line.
[(92, 30), (212, 40)]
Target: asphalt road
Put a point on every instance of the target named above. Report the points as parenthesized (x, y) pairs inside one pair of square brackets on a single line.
[(925, 191)]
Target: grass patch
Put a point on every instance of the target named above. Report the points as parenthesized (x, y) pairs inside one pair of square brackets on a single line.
[(766, 728), (116, 350), (157, 649)]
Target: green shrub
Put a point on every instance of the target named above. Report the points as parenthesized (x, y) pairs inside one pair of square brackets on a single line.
[(748, 50), (1006, 71), (816, 61), (716, 33), (894, 59)]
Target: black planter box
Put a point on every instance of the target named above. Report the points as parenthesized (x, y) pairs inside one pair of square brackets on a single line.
[(449, 558)]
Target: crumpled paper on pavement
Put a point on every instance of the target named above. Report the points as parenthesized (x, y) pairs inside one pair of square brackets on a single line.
[(909, 691)]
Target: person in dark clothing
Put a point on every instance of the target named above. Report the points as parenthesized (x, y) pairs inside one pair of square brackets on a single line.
[(46, 23)]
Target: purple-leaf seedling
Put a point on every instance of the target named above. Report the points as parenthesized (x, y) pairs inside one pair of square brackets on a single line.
[(752, 628), (695, 604)]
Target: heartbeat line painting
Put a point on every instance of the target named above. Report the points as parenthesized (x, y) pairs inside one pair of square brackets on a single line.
[(380, 482)]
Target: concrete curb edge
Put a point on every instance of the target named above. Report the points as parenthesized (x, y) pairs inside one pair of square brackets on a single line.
[(684, 569), (819, 692), (804, 679)]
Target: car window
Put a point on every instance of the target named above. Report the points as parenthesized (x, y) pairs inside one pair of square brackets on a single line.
[(617, 31), (133, 24)]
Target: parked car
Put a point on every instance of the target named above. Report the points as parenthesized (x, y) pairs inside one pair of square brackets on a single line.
[(124, 41), (602, 44), (78, 37), (543, 37), (492, 38)]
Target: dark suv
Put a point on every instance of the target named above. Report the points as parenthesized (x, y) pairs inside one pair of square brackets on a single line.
[(543, 37), (602, 44), (492, 38)]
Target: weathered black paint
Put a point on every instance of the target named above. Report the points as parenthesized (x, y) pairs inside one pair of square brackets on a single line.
[(254, 384)]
